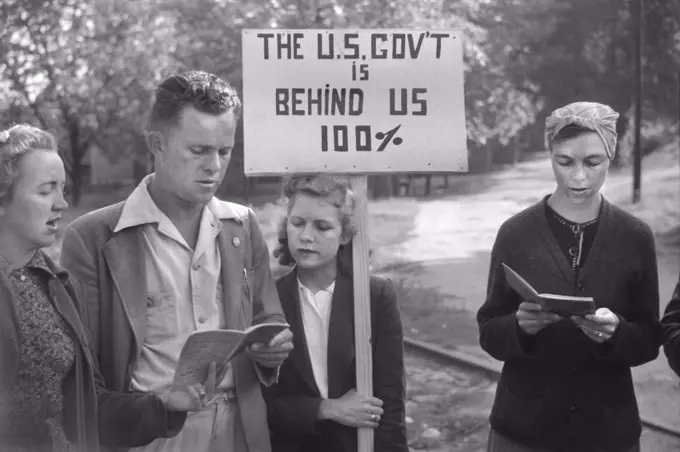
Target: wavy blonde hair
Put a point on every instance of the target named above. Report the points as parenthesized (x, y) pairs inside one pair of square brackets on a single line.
[(15, 143), (337, 191)]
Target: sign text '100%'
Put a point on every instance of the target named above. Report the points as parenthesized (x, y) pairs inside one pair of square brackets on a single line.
[(341, 138)]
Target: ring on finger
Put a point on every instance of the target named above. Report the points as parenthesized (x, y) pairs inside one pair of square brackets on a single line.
[(375, 417)]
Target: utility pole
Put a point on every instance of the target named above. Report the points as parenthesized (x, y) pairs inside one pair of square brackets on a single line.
[(637, 165)]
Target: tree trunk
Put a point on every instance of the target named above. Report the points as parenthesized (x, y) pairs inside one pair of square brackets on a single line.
[(139, 170), (380, 186), (246, 188), (516, 149), (76, 182), (394, 180), (626, 142), (233, 187), (389, 187), (488, 163), (78, 151)]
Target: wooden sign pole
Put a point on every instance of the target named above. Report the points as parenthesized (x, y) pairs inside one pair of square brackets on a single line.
[(354, 102), (362, 303)]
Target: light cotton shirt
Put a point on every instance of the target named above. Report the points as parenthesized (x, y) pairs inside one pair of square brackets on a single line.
[(316, 317), (183, 287)]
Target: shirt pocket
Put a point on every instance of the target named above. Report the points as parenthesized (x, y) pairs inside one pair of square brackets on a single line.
[(161, 317)]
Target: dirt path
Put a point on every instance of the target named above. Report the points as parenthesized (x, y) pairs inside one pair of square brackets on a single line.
[(449, 251)]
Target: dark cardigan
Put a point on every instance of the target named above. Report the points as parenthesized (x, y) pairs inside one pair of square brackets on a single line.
[(671, 326), (559, 390)]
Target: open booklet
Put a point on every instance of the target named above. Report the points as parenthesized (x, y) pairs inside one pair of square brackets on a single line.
[(220, 346), (563, 305)]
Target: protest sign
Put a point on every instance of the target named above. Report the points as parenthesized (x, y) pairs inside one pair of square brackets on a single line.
[(353, 101)]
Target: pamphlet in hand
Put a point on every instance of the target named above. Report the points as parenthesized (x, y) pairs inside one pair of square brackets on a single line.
[(219, 346), (563, 305)]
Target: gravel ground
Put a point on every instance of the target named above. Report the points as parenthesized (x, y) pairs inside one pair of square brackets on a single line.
[(447, 409)]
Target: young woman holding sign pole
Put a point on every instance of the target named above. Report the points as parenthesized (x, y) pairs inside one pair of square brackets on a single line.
[(566, 383), (315, 407)]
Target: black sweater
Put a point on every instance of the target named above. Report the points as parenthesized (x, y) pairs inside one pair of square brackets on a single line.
[(671, 325), (558, 389)]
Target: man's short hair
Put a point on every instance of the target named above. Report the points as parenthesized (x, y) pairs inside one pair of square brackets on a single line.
[(203, 91)]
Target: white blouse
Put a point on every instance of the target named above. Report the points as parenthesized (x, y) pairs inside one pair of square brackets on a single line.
[(316, 317)]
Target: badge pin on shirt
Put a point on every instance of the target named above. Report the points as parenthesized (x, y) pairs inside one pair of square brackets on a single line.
[(235, 241)]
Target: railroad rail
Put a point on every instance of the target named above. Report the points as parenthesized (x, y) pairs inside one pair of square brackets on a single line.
[(491, 372)]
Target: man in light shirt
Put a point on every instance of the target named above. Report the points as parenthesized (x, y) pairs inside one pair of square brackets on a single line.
[(172, 259)]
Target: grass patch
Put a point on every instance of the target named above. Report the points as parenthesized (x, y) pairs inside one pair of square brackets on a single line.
[(427, 317), (660, 189)]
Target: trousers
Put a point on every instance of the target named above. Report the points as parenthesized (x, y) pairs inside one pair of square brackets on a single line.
[(217, 427)]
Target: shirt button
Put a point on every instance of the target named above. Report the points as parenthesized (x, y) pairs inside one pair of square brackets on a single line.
[(573, 409), (202, 319), (196, 267)]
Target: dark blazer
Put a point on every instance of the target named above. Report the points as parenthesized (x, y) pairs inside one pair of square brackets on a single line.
[(293, 403), (558, 389), (671, 326), (85, 399)]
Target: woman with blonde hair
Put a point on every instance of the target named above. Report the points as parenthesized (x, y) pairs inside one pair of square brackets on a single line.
[(51, 396), (566, 382), (314, 406)]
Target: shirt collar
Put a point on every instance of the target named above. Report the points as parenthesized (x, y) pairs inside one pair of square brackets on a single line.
[(328, 289), (37, 262), (140, 208)]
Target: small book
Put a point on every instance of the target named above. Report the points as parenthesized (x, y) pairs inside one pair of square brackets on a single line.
[(220, 346), (563, 305)]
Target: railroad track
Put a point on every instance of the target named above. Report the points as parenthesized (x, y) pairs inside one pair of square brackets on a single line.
[(657, 436)]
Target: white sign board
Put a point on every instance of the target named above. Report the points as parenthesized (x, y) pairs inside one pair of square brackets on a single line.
[(353, 101)]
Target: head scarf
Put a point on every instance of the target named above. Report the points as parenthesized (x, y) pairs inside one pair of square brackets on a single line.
[(599, 118)]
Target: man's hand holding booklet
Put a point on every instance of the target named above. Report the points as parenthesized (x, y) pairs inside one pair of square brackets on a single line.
[(219, 347), (563, 305)]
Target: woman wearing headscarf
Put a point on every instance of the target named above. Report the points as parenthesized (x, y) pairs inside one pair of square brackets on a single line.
[(566, 382)]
